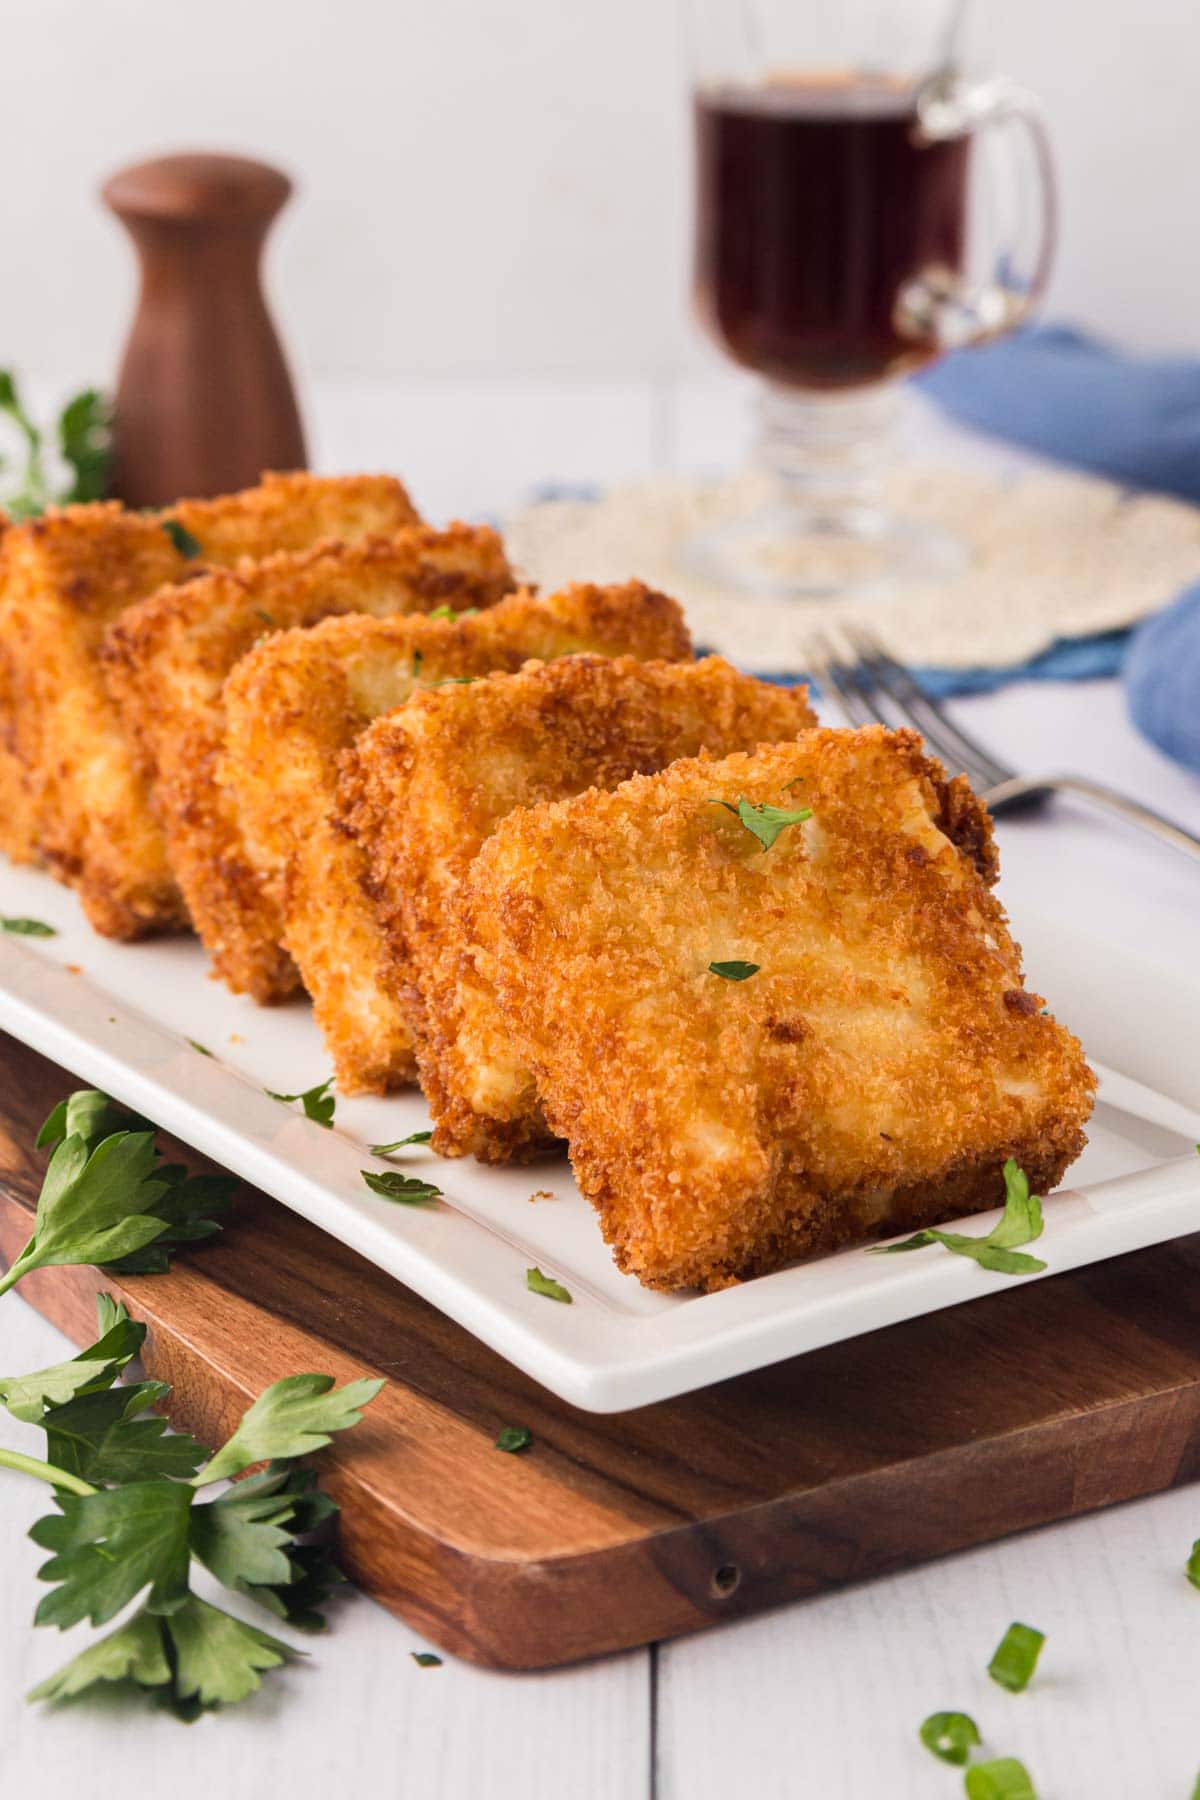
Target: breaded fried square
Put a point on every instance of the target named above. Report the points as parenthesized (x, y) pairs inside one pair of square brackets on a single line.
[(301, 699), (66, 576), (763, 1053), (165, 663), (428, 784)]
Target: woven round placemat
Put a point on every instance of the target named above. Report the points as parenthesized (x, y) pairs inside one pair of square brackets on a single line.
[(1052, 555)]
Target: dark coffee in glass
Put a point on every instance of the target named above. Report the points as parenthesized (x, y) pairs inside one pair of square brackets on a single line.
[(819, 204)]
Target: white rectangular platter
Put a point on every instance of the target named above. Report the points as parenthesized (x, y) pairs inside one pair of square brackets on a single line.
[(124, 1018)]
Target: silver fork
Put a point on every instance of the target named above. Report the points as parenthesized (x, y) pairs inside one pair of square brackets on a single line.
[(872, 688)]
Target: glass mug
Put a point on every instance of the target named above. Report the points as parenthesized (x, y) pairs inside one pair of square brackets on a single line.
[(844, 237)]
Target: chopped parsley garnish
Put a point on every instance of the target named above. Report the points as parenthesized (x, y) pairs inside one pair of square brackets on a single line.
[(318, 1102), (1021, 1224), (410, 1190), (28, 928), (1003, 1779), (1016, 1656), (733, 971), (425, 1659), (402, 1143), (203, 1049), (950, 1735), (514, 1438), (187, 545), (417, 660), (414, 1137), (448, 612), (765, 822), (261, 613), (453, 681), (537, 1283)]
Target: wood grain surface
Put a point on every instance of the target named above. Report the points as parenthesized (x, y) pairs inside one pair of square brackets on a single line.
[(1035, 1404), (204, 399)]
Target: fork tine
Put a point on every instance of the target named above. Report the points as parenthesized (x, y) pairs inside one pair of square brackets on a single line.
[(839, 677), (947, 741)]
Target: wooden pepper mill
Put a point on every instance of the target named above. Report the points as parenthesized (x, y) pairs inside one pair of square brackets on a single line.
[(204, 400)]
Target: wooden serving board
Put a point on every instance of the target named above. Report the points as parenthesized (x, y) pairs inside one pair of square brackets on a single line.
[(1040, 1403)]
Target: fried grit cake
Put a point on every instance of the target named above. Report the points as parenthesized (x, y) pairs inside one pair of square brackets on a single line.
[(165, 663), (428, 784), (84, 807), (302, 698), (870, 1075)]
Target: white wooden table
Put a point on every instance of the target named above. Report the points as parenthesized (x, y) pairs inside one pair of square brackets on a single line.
[(819, 1701)]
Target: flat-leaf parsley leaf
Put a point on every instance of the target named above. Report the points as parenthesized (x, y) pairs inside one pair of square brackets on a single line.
[(765, 822), (318, 1102), (733, 971), (410, 1190), (187, 545), (1020, 1224), (414, 1137)]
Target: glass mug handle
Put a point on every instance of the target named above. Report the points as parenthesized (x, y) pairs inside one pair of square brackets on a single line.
[(941, 306)]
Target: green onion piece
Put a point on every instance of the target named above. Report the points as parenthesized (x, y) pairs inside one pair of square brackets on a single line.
[(1016, 1656), (1003, 1779), (514, 1438), (950, 1736), (1192, 1569)]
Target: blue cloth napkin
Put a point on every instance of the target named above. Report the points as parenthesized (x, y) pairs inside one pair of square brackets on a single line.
[(1067, 396), (1134, 420), (1162, 679)]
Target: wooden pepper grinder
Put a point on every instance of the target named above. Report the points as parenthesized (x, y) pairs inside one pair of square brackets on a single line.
[(204, 400)]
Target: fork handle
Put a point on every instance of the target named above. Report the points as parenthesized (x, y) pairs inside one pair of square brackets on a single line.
[(1026, 786)]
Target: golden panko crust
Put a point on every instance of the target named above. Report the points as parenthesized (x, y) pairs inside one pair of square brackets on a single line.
[(428, 785), (870, 1077), (292, 511), (65, 577), (166, 660), (301, 699)]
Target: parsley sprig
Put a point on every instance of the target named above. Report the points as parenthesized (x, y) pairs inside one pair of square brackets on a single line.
[(108, 1199), (1021, 1224), (82, 441), (132, 1520), (107, 1191)]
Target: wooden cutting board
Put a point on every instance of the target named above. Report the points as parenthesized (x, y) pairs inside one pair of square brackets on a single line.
[(1038, 1403)]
